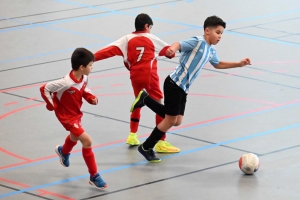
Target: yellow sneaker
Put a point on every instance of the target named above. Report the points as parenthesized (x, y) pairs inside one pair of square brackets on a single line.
[(132, 139), (165, 147)]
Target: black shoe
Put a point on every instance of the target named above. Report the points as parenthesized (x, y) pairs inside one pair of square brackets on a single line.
[(139, 101), (149, 154)]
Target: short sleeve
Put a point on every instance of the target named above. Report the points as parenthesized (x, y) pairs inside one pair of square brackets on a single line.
[(214, 59), (188, 45)]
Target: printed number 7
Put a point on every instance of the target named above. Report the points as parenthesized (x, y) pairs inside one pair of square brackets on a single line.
[(141, 49)]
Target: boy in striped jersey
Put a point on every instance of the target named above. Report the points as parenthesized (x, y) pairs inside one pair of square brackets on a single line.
[(195, 53)]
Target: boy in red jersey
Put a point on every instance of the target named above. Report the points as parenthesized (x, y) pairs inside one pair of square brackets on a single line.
[(139, 51), (64, 96)]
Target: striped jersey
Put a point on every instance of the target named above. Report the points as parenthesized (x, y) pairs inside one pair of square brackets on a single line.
[(195, 53)]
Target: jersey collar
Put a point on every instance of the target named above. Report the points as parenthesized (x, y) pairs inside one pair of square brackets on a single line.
[(136, 32), (74, 78)]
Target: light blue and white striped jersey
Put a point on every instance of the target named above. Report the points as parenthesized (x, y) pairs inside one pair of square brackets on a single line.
[(195, 53)]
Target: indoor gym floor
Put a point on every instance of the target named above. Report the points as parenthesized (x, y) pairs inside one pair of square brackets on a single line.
[(228, 113)]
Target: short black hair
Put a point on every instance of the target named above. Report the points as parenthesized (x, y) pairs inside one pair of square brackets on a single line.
[(141, 20), (213, 21), (81, 56)]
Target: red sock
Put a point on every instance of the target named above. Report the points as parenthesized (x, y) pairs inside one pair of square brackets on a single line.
[(159, 119), (68, 146), (90, 161), (135, 120)]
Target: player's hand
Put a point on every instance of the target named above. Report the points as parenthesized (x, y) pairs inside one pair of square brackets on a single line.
[(49, 107), (170, 52), (245, 61), (95, 101)]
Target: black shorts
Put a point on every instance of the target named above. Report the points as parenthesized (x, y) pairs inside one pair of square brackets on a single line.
[(174, 98)]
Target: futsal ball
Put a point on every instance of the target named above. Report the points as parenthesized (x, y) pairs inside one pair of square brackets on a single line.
[(249, 163)]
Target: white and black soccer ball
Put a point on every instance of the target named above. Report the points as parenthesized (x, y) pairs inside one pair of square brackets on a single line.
[(249, 163)]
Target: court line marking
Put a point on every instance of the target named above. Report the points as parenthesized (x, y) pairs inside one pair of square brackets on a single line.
[(173, 130), (122, 167)]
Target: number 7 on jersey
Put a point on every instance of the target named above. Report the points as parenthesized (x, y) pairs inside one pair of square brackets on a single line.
[(141, 49)]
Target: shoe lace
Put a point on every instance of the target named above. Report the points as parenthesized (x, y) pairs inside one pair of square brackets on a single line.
[(151, 152), (168, 144), (66, 157), (98, 180)]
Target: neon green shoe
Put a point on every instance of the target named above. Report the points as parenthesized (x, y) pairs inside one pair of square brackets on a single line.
[(165, 147), (132, 139), (139, 101)]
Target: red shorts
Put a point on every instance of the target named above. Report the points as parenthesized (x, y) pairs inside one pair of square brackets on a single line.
[(150, 83), (74, 127)]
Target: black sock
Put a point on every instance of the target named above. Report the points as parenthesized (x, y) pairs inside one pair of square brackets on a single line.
[(155, 106), (153, 139)]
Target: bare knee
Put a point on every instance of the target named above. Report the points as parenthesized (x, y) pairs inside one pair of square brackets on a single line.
[(171, 122), (86, 144), (85, 140), (177, 123)]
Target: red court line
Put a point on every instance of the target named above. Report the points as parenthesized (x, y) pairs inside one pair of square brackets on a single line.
[(115, 85), (277, 62), (206, 95), (232, 97), (31, 99), (22, 87), (10, 113), (97, 87), (236, 115), (160, 69), (43, 192), (208, 75), (27, 107), (55, 155), (10, 103), (117, 94), (13, 155), (224, 117), (20, 109), (106, 75), (144, 135)]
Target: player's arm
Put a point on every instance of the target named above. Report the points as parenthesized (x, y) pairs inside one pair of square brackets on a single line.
[(107, 52), (113, 49), (161, 47), (173, 48), (163, 52), (48, 89), (183, 46), (228, 65), (88, 96)]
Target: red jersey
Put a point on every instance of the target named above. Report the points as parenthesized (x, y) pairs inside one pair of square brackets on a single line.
[(64, 96), (139, 50)]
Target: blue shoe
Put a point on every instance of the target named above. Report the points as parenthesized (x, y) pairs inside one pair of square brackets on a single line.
[(98, 182), (64, 159), (148, 154), (139, 101)]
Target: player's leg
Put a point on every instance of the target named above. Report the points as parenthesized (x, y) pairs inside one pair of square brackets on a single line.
[(182, 109), (64, 151), (135, 116), (153, 88), (143, 99), (132, 138), (89, 158), (173, 98)]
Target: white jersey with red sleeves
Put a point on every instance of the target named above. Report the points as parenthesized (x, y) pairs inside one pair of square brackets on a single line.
[(65, 96), (139, 50)]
